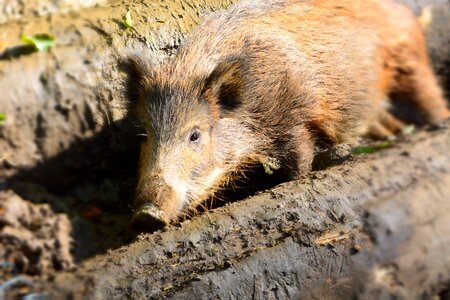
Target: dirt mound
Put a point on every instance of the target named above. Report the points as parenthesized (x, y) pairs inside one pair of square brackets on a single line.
[(33, 239)]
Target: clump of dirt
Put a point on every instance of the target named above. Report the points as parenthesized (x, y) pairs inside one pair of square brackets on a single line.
[(33, 238)]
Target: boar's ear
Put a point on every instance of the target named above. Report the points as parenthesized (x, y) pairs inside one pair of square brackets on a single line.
[(139, 79), (224, 85)]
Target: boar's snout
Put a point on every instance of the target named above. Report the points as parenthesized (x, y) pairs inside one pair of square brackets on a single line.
[(148, 217), (156, 204)]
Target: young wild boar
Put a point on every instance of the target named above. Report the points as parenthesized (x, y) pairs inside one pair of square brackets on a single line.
[(263, 83)]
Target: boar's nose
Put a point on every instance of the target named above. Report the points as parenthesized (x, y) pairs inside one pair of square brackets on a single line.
[(155, 205), (148, 217)]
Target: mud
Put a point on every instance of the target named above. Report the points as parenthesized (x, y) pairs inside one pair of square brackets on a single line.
[(74, 91), (69, 160), (16, 9), (34, 239), (436, 18)]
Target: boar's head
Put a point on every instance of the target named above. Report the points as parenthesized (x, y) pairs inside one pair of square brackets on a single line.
[(194, 137)]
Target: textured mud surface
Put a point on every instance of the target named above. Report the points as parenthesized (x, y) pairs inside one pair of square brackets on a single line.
[(17, 9), (68, 161), (35, 240)]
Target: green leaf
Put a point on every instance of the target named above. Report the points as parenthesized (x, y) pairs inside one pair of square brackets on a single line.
[(372, 148), (408, 129), (127, 20), (2, 118), (39, 41)]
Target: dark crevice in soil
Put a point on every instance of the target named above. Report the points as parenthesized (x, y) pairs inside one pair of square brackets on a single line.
[(93, 182)]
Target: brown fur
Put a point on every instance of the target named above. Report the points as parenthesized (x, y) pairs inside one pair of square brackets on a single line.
[(267, 81)]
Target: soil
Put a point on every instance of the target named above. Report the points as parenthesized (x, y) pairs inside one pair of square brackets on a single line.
[(68, 156), (36, 240)]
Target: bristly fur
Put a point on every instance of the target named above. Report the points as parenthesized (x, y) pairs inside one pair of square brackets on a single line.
[(266, 82)]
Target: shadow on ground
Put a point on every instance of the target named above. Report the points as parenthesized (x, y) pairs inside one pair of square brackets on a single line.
[(93, 182)]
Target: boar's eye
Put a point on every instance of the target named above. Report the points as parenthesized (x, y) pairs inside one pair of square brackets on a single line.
[(195, 136)]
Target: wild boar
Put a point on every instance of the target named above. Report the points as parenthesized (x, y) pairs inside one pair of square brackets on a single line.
[(265, 82)]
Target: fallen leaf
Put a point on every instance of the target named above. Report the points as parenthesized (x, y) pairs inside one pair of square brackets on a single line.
[(372, 148), (39, 41)]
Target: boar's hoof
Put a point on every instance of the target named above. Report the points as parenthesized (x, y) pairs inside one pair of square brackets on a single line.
[(148, 217)]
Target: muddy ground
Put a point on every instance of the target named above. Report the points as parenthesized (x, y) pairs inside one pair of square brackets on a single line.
[(69, 157)]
